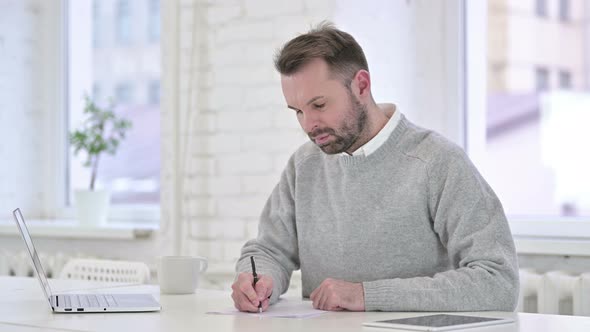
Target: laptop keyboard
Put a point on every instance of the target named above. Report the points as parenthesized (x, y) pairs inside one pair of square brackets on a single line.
[(88, 300)]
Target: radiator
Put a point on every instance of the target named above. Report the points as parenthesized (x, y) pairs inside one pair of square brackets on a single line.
[(19, 263), (554, 292)]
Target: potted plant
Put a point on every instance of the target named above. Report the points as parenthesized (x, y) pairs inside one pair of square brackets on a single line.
[(101, 132)]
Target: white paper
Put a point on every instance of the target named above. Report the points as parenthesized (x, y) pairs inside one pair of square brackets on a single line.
[(283, 308)]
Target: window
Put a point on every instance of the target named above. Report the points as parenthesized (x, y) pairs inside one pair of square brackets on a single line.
[(123, 22), (541, 8), (541, 79), (112, 72), (533, 146), (96, 32), (124, 93), (154, 21), (565, 79), (564, 10), (154, 93), (97, 92)]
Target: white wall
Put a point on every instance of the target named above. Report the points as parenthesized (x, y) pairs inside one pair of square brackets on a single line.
[(22, 108), (388, 45), (245, 134), (28, 116)]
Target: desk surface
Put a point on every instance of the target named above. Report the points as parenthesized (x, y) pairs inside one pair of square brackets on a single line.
[(23, 308)]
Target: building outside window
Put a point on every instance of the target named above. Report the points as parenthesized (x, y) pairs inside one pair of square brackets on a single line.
[(535, 152), (564, 10), (541, 78), (123, 22), (124, 93), (96, 25), (96, 92), (154, 93), (541, 8), (115, 71), (565, 79), (154, 21)]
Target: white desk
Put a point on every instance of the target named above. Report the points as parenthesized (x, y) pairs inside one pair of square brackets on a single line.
[(23, 308)]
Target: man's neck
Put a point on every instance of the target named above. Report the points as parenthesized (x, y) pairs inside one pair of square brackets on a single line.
[(377, 117)]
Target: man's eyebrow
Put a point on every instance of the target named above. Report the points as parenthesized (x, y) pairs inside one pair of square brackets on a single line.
[(309, 102), (314, 99)]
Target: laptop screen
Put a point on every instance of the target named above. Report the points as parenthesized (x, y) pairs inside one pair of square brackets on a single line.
[(24, 232)]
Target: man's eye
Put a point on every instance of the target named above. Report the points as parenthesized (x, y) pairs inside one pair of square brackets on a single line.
[(319, 105)]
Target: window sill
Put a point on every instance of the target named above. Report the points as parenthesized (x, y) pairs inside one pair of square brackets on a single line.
[(547, 246), (552, 237), (69, 229)]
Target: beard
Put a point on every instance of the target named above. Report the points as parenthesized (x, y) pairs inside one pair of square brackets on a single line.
[(348, 133)]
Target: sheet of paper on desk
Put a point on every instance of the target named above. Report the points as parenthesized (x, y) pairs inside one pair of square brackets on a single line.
[(283, 309)]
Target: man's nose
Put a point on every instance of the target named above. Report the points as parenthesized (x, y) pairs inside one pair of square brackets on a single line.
[(309, 122)]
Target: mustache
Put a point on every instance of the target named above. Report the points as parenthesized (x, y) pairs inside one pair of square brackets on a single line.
[(321, 131)]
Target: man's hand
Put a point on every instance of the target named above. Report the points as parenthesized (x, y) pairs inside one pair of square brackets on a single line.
[(335, 295), (246, 298)]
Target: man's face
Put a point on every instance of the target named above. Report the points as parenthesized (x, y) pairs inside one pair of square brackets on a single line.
[(327, 111)]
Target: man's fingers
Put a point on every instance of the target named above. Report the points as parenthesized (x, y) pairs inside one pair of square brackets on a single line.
[(244, 295), (316, 297), (261, 290), (336, 295), (323, 300), (242, 303), (249, 292), (330, 303), (264, 287), (247, 296), (244, 285), (265, 304), (313, 294)]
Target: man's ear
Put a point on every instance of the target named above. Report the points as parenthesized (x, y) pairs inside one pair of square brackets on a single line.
[(362, 84)]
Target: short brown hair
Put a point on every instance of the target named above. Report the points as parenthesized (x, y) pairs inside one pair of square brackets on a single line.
[(342, 53)]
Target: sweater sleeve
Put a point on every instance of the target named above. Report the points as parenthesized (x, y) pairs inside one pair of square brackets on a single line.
[(470, 223), (275, 249)]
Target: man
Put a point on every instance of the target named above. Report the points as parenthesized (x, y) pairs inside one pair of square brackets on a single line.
[(378, 213)]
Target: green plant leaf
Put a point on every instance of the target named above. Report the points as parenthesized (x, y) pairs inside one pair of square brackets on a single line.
[(100, 132)]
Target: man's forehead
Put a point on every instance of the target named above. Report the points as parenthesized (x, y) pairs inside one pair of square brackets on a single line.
[(307, 80), (313, 69), (300, 93)]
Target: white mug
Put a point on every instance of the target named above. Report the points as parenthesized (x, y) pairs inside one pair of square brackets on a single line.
[(180, 274)]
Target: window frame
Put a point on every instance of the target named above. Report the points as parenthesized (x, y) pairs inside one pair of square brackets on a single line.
[(57, 151), (542, 78), (565, 79), (564, 10), (533, 235), (154, 92), (541, 8), (125, 92), (123, 26), (154, 26)]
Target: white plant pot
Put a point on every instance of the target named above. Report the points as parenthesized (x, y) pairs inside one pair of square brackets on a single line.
[(92, 206)]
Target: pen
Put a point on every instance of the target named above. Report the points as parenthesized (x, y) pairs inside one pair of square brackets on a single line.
[(255, 281)]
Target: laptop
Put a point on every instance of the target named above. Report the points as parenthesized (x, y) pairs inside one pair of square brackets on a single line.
[(78, 303)]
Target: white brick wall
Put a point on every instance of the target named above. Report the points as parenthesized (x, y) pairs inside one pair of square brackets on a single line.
[(22, 112), (237, 154)]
